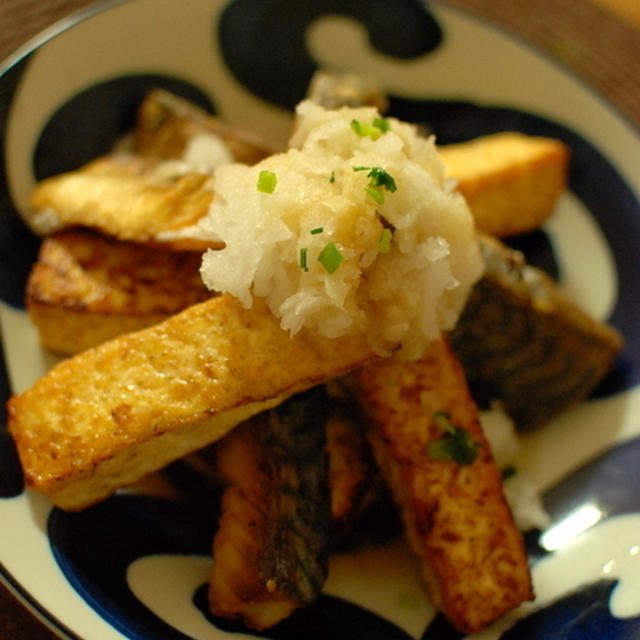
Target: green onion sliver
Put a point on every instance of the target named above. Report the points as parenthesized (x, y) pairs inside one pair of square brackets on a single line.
[(382, 124), (303, 259), (384, 243), (363, 129), (376, 193), (330, 257), (266, 181)]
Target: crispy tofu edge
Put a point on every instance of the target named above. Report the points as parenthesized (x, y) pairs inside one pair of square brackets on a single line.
[(511, 181), (104, 418), (456, 519), (85, 289)]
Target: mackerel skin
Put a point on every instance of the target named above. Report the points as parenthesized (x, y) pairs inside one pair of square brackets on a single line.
[(272, 546), (524, 343)]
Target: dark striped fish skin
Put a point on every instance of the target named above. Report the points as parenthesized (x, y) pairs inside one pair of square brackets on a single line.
[(523, 342), (272, 546)]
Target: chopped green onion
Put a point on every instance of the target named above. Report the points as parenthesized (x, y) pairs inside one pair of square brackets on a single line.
[(456, 444), (315, 231), (374, 130), (330, 257), (382, 124), (376, 194), (363, 129), (303, 259), (379, 177), (266, 181), (384, 243), (332, 177)]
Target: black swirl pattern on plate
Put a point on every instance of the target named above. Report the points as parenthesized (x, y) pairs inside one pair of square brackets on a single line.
[(580, 615), (95, 547), (114, 105), (263, 42), (18, 246), (269, 57)]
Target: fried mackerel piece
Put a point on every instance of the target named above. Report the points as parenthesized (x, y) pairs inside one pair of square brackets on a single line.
[(525, 343), (353, 478), (104, 418), (511, 181), (431, 450), (147, 194), (126, 196), (354, 483), (86, 288), (168, 125), (334, 89), (271, 549)]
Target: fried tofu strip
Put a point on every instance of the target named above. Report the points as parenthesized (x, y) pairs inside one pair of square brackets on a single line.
[(511, 181), (86, 288), (167, 124), (522, 341), (455, 516), (106, 417), (271, 549)]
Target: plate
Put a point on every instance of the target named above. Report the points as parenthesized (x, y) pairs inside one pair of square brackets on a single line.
[(120, 569)]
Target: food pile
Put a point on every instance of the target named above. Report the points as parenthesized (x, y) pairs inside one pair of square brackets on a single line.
[(340, 340)]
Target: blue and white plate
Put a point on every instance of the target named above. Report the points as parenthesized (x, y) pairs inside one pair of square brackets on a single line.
[(135, 566)]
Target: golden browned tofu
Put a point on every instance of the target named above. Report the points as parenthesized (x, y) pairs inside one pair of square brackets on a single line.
[(167, 123), (106, 417), (126, 196), (271, 549), (511, 181), (86, 288), (430, 447)]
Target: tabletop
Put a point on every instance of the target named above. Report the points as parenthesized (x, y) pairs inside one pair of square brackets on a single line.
[(598, 39)]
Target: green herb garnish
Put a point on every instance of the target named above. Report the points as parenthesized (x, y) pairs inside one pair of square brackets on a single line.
[(363, 129), (315, 231), (373, 130), (266, 181), (303, 259), (456, 443), (379, 179), (330, 257), (382, 124), (376, 193), (332, 177), (384, 243)]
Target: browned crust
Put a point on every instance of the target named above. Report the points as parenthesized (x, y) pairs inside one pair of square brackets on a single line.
[(455, 517), (83, 429), (511, 181), (125, 196), (86, 288)]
